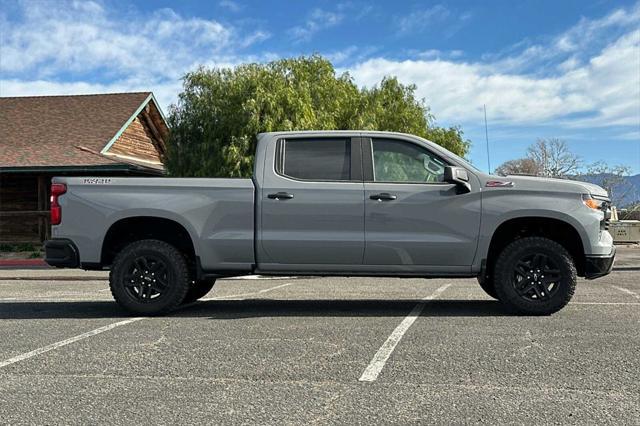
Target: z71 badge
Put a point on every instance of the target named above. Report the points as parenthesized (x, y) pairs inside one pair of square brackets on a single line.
[(96, 181)]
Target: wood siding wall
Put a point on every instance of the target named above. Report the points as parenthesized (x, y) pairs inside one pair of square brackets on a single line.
[(24, 208), (137, 141)]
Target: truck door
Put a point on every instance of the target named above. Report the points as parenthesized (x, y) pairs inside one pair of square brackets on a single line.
[(312, 204), (413, 219)]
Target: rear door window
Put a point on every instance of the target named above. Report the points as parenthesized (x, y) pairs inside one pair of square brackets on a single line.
[(317, 159)]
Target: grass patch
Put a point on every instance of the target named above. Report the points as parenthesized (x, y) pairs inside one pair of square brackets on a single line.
[(25, 247), (19, 248)]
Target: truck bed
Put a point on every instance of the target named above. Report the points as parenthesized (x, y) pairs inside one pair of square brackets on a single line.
[(218, 214)]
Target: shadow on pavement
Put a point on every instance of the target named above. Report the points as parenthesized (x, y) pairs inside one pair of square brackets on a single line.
[(261, 308)]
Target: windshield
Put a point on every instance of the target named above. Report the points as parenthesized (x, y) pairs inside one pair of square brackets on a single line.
[(457, 157), (465, 162)]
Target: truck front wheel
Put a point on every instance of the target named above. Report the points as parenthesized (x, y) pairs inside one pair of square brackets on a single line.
[(535, 276), (149, 277)]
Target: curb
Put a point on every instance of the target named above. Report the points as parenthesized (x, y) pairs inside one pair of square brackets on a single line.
[(12, 263)]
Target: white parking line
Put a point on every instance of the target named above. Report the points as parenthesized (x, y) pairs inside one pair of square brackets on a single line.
[(626, 290), (255, 293), (66, 342), (82, 336), (376, 365), (258, 277)]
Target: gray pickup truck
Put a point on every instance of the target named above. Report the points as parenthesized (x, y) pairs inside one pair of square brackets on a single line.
[(335, 203)]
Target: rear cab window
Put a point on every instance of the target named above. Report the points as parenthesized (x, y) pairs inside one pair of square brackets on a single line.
[(317, 159)]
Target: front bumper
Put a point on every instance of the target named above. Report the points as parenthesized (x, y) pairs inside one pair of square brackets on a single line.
[(599, 266), (61, 253)]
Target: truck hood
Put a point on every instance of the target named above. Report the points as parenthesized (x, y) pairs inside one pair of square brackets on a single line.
[(553, 184)]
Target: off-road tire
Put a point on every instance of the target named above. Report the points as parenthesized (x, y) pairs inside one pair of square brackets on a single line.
[(508, 273), (198, 289), (174, 271)]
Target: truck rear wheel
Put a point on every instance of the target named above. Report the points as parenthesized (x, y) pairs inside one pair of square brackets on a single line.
[(149, 277), (535, 276), (198, 289)]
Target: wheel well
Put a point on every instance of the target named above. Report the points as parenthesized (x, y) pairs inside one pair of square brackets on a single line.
[(132, 229), (557, 230)]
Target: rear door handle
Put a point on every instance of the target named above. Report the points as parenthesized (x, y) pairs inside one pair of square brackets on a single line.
[(385, 196), (280, 196)]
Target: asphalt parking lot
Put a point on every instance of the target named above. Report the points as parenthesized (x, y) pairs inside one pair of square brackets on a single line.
[(317, 351)]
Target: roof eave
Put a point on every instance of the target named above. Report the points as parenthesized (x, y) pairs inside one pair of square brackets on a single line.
[(83, 169)]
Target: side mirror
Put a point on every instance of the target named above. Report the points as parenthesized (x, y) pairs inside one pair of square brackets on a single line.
[(457, 175)]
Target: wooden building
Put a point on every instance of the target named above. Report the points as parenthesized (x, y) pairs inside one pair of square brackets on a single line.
[(122, 134)]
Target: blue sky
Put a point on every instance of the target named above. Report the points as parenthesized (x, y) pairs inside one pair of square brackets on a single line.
[(567, 69)]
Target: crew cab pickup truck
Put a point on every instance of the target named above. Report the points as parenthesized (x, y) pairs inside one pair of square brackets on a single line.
[(335, 203)]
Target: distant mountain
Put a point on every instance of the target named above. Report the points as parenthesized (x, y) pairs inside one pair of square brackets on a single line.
[(625, 193)]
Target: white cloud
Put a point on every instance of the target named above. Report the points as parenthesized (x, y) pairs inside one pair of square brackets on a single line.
[(82, 39), (601, 90), (438, 16), (439, 54), (233, 6), (318, 20), (257, 36), (421, 19), (569, 48), (591, 74)]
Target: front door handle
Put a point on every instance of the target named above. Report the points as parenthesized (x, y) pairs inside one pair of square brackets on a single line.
[(385, 196), (280, 196)]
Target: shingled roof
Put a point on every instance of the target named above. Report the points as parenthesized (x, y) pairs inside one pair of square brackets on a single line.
[(55, 131)]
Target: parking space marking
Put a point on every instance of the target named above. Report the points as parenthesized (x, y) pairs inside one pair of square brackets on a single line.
[(259, 277), (626, 290), (376, 365), (66, 342), (82, 336), (254, 293)]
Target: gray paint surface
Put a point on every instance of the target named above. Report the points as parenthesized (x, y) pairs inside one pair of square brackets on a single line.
[(329, 227)]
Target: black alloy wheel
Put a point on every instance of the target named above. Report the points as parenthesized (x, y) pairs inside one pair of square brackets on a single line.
[(535, 276), (149, 277)]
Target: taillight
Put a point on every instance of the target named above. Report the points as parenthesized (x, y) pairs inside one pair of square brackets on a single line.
[(57, 189)]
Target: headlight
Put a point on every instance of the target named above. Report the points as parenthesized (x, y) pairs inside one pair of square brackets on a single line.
[(599, 203), (595, 202), (591, 202)]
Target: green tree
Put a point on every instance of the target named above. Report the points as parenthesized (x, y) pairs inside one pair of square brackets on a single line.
[(220, 111)]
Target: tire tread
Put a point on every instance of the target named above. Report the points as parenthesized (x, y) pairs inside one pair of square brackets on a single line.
[(178, 263), (514, 302)]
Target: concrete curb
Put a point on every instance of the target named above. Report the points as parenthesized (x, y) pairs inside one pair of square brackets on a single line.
[(16, 263)]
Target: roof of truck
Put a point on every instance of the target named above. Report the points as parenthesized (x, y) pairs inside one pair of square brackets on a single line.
[(339, 132)]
